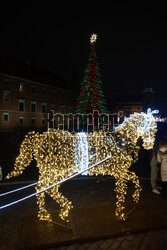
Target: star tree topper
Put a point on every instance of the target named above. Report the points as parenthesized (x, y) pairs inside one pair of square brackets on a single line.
[(93, 38)]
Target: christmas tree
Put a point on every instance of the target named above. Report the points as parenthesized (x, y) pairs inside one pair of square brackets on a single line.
[(91, 96)]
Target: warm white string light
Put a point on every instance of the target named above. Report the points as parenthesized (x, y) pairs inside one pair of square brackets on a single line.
[(93, 38), (55, 184), (33, 184), (84, 155), (57, 155)]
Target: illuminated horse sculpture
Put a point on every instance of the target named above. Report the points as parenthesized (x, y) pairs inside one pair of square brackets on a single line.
[(59, 154)]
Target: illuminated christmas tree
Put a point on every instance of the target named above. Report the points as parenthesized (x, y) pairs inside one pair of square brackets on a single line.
[(91, 96)]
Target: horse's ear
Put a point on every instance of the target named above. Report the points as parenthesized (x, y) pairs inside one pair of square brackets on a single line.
[(148, 111), (155, 111)]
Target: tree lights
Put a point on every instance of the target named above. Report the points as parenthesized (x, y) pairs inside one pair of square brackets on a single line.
[(93, 38), (59, 155), (91, 96)]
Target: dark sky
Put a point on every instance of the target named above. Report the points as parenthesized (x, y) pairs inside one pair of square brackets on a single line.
[(131, 46)]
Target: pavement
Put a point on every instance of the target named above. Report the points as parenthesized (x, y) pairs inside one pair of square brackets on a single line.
[(82, 192)]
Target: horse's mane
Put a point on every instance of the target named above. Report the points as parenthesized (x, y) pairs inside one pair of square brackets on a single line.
[(129, 119)]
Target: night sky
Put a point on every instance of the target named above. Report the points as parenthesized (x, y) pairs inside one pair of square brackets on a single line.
[(131, 46)]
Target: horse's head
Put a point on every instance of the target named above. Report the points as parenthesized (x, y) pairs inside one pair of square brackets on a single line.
[(147, 128)]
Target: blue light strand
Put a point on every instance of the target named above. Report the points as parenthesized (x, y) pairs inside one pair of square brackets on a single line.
[(56, 184), (18, 189), (24, 187)]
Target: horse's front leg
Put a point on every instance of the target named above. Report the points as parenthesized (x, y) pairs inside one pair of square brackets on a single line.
[(131, 176), (121, 186), (64, 203)]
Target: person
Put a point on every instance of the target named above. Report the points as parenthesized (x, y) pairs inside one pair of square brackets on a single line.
[(162, 159), (154, 174)]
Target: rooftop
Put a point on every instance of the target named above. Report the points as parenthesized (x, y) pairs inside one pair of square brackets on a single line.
[(10, 66)]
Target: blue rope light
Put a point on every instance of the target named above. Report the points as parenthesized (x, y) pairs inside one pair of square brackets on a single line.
[(18, 189), (55, 184)]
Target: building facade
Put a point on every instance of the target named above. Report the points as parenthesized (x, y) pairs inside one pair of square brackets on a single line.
[(26, 103), (128, 108), (127, 104)]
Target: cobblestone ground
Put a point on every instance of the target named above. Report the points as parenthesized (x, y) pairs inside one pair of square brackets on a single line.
[(143, 241), (84, 192)]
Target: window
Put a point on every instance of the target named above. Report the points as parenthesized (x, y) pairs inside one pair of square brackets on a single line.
[(43, 121), (62, 109), (21, 105), (33, 89), (33, 106), (43, 107), (32, 120), (52, 107), (6, 96), (43, 91), (21, 88), (21, 120), (5, 116)]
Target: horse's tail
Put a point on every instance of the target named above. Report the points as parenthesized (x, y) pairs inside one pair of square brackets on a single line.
[(25, 156)]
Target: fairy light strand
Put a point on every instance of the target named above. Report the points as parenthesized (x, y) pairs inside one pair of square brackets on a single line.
[(56, 184), (30, 185), (18, 189), (57, 157)]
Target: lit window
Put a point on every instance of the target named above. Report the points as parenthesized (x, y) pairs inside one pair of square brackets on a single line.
[(21, 120), (32, 120), (62, 109), (52, 107), (43, 121), (6, 96), (21, 87), (33, 89), (43, 107), (21, 105), (33, 106), (5, 116)]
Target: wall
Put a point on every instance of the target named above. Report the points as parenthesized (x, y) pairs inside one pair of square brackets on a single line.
[(53, 95)]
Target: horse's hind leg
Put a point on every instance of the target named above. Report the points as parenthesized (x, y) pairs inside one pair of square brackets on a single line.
[(42, 213), (64, 203), (121, 185)]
